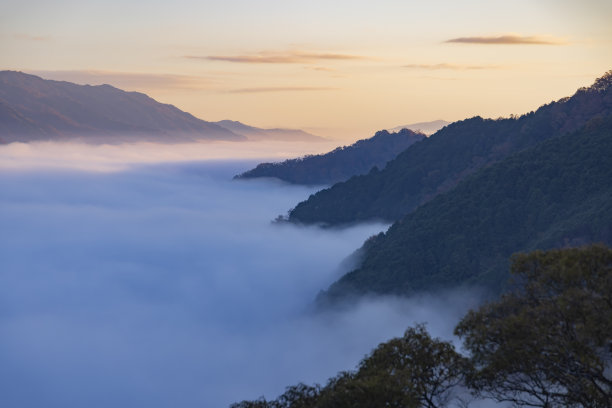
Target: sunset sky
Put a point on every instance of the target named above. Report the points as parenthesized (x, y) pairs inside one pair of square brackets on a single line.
[(336, 68)]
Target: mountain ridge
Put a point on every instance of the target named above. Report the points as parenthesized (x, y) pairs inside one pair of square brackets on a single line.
[(556, 194), (438, 163), (340, 163), (428, 128), (33, 108), (280, 134)]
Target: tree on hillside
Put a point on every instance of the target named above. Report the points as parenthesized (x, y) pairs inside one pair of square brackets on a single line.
[(295, 396), (416, 367), (549, 342), (411, 371)]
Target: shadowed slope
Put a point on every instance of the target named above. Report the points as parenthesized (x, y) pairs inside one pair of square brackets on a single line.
[(439, 162), (32, 108), (341, 163), (554, 195), (254, 133)]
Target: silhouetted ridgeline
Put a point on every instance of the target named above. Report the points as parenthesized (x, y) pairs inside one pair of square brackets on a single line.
[(556, 194), (253, 133), (439, 162), (341, 163), (428, 128), (32, 108)]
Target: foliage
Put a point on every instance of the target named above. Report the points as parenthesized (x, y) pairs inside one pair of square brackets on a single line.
[(341, 163), (416, 368), (556, 194), (440, 162), (295, 396), (411, 371), (548, 343)]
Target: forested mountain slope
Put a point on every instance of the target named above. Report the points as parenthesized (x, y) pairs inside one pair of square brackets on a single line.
[(341, 163), (439, 162), (556, 194)]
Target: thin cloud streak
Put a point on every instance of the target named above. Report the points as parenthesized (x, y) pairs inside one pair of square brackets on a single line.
[(129, 80), (283, 89), (508, 40), (447, 66), (322, 69), (291, 57)]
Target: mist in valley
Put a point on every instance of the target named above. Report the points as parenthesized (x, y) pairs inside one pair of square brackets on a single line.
[(146, 276)]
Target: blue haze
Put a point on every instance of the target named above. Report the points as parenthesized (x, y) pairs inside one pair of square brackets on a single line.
[(167, 286)]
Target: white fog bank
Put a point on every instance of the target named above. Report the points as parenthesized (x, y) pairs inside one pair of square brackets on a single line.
[(114, 157), (166, 285)]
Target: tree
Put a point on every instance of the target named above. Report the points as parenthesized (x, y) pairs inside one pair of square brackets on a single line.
[(258, 403), (416, 368), (548, 343), (298, 396), (411, 371), (349, 390), (295, 396)]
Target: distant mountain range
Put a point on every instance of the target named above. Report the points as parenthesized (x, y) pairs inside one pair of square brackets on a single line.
[(441, 161), (428, 128), (341, 163), (32, 108), (253, 133)]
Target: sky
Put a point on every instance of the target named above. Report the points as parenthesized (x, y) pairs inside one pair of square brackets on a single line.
[(164, 284), (338, 69)]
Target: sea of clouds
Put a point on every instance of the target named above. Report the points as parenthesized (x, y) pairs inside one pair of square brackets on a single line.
[(163, 283)]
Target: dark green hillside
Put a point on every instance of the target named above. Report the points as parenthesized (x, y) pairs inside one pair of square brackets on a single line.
[(556, 194), (439, 162), (341, 163)]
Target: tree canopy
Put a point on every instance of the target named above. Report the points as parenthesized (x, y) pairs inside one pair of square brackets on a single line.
[(411, 371), (547, 343)]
